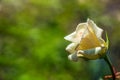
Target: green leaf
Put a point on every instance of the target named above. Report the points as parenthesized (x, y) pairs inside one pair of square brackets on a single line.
[(107, 40)]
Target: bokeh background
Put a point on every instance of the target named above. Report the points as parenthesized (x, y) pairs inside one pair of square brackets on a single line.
[(31, 38)]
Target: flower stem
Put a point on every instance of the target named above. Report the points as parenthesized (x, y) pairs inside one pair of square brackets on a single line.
[(106, 58)]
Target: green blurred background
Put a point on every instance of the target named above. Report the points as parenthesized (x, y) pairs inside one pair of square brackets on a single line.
[(31, 38)]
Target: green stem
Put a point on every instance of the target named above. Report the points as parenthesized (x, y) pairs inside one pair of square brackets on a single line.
[(106, 58)]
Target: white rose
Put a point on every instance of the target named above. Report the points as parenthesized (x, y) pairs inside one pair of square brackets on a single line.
[(86, 42)]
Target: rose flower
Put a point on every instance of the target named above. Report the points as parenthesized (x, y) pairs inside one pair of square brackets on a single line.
[(87, 42)]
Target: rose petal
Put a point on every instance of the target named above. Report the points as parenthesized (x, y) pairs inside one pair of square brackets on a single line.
[(81, 31), (78, 34), (90, 53), (88, 40), (70, 37), (71, 47), (73, 57), (98, 31)]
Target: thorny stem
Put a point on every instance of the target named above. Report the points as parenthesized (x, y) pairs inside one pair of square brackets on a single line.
[(106, 58)]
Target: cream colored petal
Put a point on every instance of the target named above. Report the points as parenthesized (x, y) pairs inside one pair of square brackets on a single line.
[(90, 53), (80, 31), (98, 31), (81, 27), (78, 34), (73, 57), (71, 47), (89, 57), (102, 42), (70, 37), (88, 41)]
